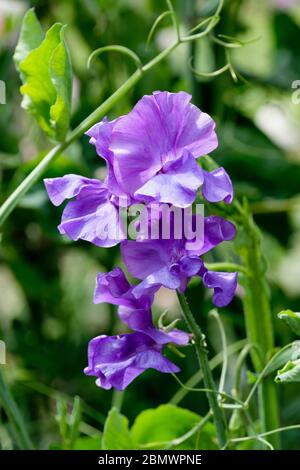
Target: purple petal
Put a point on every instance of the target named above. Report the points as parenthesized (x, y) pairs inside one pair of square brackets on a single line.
[(89, 219), (100, 136), (224, 285), (143, 258), (216, 231), (166, 277), (177, 185), (111, 288), (217, 186), (158, 129), (69, 186), (141, 321), (117, 360), (191, 265)]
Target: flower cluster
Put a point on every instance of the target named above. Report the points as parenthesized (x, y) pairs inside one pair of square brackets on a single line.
[(151, 157)]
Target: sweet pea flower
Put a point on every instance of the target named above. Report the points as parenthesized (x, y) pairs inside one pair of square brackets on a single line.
[(151, 152), (173, 262), (114, 288), (117, 360)]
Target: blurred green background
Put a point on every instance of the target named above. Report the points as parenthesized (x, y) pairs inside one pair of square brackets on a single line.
[(46, 282)]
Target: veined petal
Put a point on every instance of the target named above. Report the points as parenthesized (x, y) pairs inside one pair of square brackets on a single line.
[(88, 220), (158, 130), (69, 186), (177, 185), (117, 360)]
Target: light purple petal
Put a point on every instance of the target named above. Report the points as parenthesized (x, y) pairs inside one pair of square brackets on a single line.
[(100, 136), (117, 360), (111, 288), (166, 277), (143, 258), (224, 285), (217, 186), (177, 185), (216, 231), (89, 220), (69, 186), (158, 129), (141, 321)]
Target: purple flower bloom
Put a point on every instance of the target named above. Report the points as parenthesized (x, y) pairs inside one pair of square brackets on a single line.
[(151, 151), (114, 288), (170, 263), (117, 360), (92, 216)]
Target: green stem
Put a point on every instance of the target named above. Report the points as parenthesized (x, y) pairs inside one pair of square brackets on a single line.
[(12, 411), (198, 376), (259, 320), (200, 345), (117, 399)]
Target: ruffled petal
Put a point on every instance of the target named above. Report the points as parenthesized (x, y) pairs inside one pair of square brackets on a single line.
[(157, 130), (224, 285), (98, 223), (166, 277), (69, 186), (177, 185), (217, 186), (112, 288), (143, 258), (212, 231), (100, 136), (117, 360)]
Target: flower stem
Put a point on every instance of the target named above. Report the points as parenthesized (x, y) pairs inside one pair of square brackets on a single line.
[(258, 317), (200, 345)]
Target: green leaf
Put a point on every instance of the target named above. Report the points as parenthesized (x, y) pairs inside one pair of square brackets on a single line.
[(61, 77), (168, 422), (292, 319), (31, 36), (116, 435), (46, 74), (88, 443), (289, 373)]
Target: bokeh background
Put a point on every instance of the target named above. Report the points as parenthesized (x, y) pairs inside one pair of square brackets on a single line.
[(46, 282)]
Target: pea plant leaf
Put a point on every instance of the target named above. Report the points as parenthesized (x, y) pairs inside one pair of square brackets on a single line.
[(292, 319), (289, 373), (153, 428), (46, 74), (116, 434), (31, 36)]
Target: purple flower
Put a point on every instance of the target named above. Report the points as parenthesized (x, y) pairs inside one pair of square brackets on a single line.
[(170, 263), (92, 216), (224, 285), (114, 288), (151, 151), (117, 360)]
